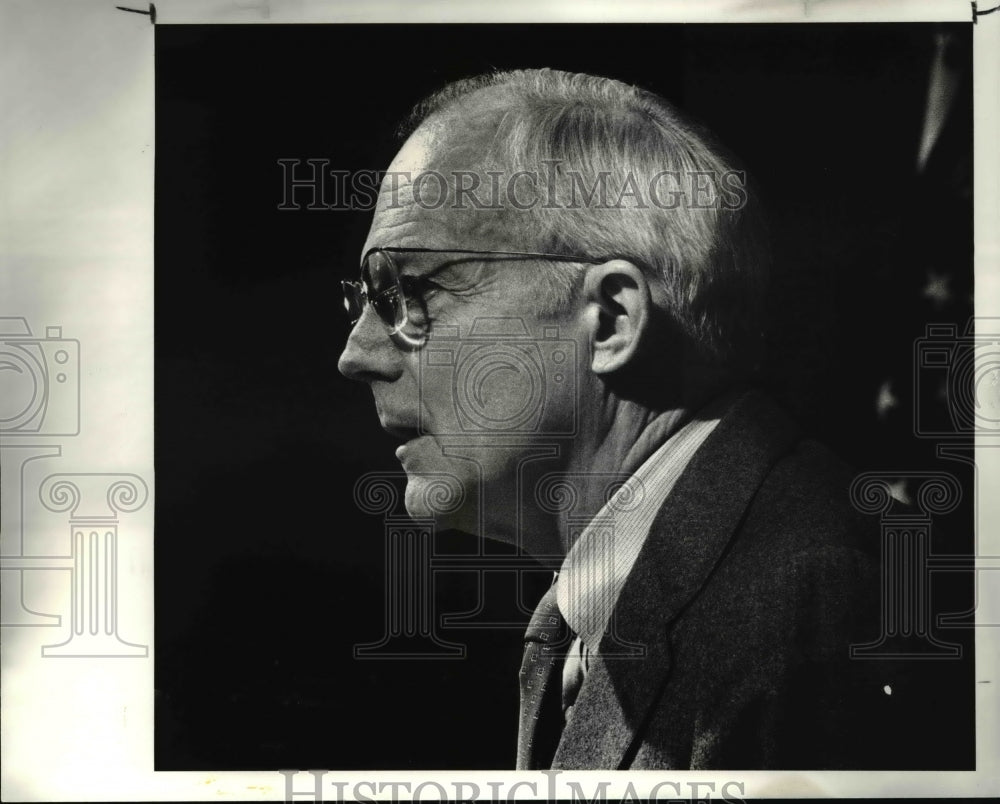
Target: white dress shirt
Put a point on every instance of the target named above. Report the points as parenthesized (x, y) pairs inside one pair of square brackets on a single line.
[(599, 562)]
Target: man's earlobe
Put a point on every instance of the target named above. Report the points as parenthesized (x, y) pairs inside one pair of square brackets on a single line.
[(617, 312)]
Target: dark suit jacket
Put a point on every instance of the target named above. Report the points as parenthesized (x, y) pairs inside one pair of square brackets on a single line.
[(757, 577)]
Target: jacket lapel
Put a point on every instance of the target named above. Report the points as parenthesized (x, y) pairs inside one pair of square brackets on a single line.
[(688, 538)]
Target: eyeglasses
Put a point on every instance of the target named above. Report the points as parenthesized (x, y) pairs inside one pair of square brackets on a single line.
[(382, 287)]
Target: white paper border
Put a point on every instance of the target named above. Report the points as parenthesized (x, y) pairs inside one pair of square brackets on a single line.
[(76, 160)]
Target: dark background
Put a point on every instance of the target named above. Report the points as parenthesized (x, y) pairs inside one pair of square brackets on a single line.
[(267, 573)]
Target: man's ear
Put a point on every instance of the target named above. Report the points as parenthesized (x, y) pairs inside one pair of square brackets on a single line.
[(617, 314)]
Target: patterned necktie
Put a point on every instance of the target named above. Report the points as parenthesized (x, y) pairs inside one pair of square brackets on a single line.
[(541, 722)]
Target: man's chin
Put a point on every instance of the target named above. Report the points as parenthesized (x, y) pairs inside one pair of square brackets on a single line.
[(442, 497)]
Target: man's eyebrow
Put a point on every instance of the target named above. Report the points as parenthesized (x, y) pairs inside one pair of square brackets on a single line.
[(418, 266), (433, 263), (409, 272)]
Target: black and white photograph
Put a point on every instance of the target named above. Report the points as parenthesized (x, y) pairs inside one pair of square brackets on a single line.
[(563, 394)]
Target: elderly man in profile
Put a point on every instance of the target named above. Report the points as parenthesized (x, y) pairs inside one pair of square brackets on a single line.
[(703, 616)]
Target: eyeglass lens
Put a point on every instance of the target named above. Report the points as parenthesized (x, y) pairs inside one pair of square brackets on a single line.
[(381, 282), (354, 300)]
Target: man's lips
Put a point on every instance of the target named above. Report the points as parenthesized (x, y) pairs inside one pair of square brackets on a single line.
[(402, 432), (409, 436)]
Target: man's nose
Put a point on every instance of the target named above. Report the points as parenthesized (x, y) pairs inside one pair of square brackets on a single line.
[(369, 353)]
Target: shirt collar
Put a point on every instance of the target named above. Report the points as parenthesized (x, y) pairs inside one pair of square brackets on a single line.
[(597, 565)]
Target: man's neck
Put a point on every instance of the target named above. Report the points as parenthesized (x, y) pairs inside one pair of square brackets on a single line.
[(614, 439), (659, 428), (630, 438)]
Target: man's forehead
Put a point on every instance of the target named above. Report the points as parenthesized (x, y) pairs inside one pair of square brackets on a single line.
[(402, 222), (407, 212), (417, 153)]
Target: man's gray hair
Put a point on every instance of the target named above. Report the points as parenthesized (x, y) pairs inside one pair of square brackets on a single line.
[(706, 248)]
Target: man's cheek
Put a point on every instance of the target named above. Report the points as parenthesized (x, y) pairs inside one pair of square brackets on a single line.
[(491, 378)]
